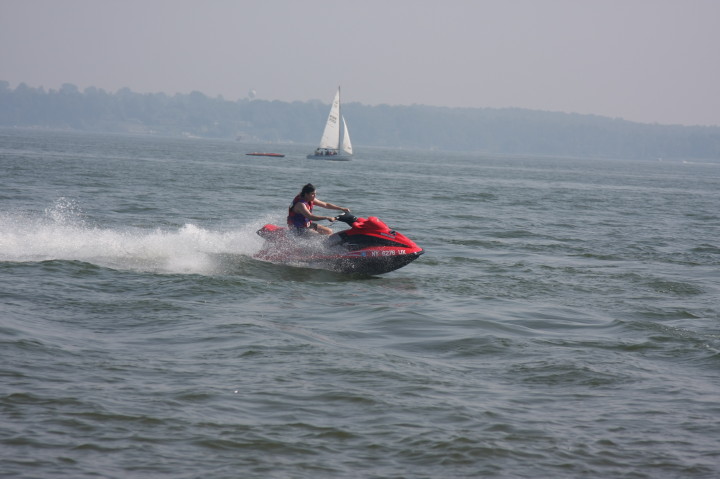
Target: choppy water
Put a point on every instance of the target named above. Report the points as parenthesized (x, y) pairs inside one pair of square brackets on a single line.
[(564, 321)]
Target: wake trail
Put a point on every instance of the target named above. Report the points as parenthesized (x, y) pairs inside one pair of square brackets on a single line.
[(61, 234)]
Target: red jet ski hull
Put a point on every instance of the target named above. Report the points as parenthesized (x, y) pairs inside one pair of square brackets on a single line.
[(368, 247)]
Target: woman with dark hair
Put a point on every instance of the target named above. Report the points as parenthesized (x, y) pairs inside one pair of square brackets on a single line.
[(301, 219)]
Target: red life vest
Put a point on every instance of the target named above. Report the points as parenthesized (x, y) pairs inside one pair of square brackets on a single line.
[(296, 219)]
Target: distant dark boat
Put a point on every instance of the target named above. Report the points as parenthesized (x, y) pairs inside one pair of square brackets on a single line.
[(276, 155)]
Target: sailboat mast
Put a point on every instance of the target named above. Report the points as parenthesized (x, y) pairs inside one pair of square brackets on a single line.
[(342, 123)]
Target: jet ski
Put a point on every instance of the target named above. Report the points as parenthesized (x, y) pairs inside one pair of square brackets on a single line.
[(368, 247)]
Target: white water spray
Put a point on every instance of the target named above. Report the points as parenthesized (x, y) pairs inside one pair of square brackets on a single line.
[(62, 234)]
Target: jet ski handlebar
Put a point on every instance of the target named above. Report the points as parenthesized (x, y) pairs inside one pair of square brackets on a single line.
[(346, 218)]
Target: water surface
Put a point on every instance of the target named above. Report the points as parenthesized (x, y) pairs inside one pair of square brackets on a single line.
[(562, 323)]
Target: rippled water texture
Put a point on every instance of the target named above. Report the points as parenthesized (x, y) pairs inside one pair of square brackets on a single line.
[(562, 323)]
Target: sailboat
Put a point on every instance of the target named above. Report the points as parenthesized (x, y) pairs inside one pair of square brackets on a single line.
[(335, 142)]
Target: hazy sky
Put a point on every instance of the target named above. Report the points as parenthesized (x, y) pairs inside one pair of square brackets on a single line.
[(641, 60)]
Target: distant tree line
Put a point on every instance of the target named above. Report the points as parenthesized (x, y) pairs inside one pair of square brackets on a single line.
[(494, 131)]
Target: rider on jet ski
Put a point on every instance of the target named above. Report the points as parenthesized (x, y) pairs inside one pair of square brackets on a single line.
[(301, 219)]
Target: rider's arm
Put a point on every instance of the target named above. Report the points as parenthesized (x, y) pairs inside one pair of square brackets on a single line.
[(303, 210), (330, 206)]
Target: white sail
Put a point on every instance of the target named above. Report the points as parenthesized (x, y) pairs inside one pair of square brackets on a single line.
[(331, 135), (335, 142), (345, 145)]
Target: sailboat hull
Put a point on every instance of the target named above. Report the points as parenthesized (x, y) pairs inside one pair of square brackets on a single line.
[(329, 157)]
